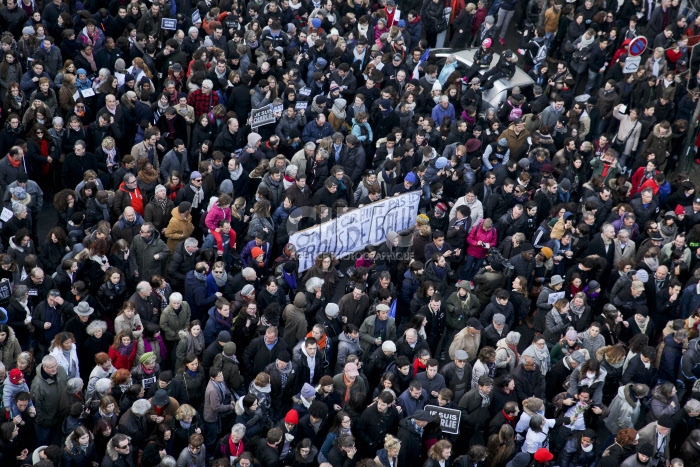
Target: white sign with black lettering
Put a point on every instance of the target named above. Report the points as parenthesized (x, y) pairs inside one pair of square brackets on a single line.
[(631, 65), (352, 231)]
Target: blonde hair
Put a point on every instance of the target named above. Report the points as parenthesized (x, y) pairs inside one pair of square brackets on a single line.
[(185, 411), (108, 142), (391, 442)]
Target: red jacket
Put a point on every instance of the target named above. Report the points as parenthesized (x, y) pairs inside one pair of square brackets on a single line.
[(120, 361), (638, 180), (479, 234)]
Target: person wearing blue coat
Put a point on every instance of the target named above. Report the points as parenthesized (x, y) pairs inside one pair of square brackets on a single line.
[(316, 130), (220, 319), (196, 291), (690, 300)]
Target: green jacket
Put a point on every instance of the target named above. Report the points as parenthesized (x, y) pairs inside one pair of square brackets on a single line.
[(171, 323), (46, 395), (598, 168), (367, 333), (459, 311)]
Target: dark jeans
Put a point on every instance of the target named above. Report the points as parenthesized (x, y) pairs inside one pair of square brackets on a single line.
[(471, 267), (46, 436), (211, 430)]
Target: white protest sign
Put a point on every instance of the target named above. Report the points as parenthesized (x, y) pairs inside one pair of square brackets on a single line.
[(553, 297), (449, 418), (301, 105), (262, 116), (631, 65), (6, 214), (352, 231)]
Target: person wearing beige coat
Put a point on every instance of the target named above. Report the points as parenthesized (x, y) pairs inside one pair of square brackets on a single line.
[(140, 150), (174, 318), (629, 251)]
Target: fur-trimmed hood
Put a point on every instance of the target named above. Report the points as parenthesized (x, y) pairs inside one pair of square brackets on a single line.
[(72, 446), (10, 337), (601, 354), (657, 132), (111, 452)]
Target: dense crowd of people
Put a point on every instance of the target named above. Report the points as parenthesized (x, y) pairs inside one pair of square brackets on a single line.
[(547, 295)]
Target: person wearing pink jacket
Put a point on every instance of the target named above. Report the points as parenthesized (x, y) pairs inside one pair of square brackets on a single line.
[(480, 239), (219, 211)]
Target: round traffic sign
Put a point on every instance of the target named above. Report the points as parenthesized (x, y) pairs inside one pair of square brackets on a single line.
[(637, 46)]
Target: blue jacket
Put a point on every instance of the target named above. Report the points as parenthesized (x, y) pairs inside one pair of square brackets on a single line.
[(215, 324), (439, 113), (690, 300), (313, 132), (246, 257), (409, 405), (196, 296), (670, 359), (408, 287)]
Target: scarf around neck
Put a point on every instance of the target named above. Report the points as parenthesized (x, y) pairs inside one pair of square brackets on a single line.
[(578, 311)]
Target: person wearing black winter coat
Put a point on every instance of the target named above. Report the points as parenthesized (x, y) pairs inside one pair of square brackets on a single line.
[(670, 358), (637, 372), (410, 434), (403, 348), (257, 355), (529, 381), (181, 263), (267, 450), (574, 455), (500, 200), (378, 420)]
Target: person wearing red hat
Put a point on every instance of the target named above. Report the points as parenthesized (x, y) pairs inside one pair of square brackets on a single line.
[(438, 219), (542, 456), (258, 260), (16, 384)]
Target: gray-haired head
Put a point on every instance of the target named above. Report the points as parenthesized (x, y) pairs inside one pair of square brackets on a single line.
[(140, 407), (168, 461), (19, 292), (191, 242), (74, 385), (692, 406), (238, 429), (103, 385), (57, 121), (248, 273), (310, 145), (19, 208), (48, 360), (175, 297), (95, 325)]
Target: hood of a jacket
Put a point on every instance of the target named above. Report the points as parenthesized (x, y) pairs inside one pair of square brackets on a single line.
[(521, 459), (497, 305), (345, 338), (657, 132)]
